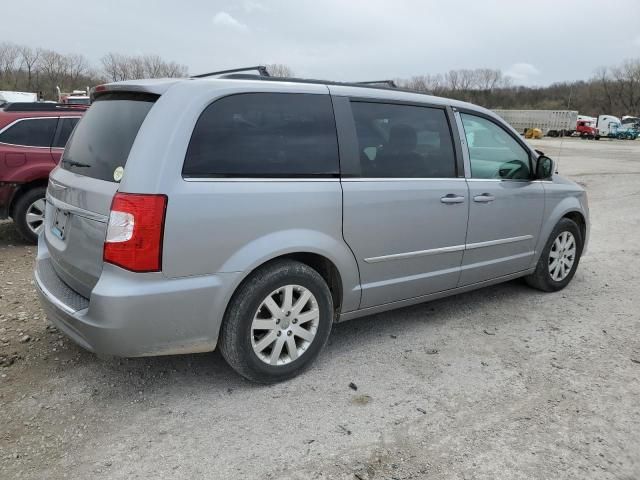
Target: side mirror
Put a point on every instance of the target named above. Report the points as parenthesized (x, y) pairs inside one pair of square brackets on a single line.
[(544, 168)]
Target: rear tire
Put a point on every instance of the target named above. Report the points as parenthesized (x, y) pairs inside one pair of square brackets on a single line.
[(268, 346), (559, 259), (28, 213)]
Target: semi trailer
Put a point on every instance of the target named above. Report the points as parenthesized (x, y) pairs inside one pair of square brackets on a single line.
[(553, 123)]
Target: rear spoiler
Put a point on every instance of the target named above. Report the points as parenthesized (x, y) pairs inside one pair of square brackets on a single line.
[(153, 87)]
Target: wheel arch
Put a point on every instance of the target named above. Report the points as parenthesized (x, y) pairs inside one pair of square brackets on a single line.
[(567, 207), (21, 190), (320, 263), (579, 218), (328, 255)]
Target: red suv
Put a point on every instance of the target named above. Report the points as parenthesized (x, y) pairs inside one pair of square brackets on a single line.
[(32, 139)]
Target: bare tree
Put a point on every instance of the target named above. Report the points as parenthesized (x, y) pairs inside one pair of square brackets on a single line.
[(488, 78), (452, 80), (9, 56), (279, 70), (29, 58), (54, 66), (154, 66), (626, 84), (174, 70), (423, 83), (115, 67), (77, 67), (124, 67)]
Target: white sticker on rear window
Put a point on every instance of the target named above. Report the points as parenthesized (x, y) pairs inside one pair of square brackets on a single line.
[(117, 174)]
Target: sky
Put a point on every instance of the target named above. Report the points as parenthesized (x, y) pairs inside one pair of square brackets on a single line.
[(537, 42)]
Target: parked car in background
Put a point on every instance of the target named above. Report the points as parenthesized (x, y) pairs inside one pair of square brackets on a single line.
[(32, 139), (268, 209)]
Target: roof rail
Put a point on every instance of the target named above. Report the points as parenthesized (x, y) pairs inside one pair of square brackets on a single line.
[(388, 83), (41, 107), (380, 85), (262, 70)]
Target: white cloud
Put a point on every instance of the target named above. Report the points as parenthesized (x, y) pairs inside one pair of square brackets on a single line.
[(522, 72), (223, 19), (636, 42), (250, 6)]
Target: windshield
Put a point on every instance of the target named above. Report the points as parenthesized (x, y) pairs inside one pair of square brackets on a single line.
[(100, 144)]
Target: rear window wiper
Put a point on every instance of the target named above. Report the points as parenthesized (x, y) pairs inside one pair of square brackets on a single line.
[(73, 163)]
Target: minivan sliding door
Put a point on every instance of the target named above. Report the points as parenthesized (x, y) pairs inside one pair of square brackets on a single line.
[(405, 207)]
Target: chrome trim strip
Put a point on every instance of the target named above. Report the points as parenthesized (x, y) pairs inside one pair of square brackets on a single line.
[(522, 180), (54, 300), (454, 248), (75, 210), (401, 179), (420, 253), (311, 179), (254, 179), (501, 241)]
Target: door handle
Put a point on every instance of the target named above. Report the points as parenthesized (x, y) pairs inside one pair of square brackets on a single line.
[(484, 198), (452, 198)]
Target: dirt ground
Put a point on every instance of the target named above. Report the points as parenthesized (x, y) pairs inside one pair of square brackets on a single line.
[(505, 382)]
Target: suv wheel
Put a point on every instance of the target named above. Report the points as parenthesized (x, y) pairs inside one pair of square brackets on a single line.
[(277, 322), (559, 259), (28, 213)]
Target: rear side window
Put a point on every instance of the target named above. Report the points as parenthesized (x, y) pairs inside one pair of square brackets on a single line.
[(65, 127), (403, 141), (102, 140), (31, 132), (264, 135)]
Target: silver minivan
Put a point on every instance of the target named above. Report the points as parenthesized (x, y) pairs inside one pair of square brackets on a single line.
[(252, 213)]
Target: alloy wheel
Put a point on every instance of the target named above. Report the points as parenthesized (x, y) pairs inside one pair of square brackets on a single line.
[(35, 216), (285, 325), (562, 256)]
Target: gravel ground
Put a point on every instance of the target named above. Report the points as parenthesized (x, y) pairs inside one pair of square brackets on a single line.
[(504, 382)]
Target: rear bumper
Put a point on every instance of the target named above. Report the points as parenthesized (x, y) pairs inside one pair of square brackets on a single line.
[(132, 315)]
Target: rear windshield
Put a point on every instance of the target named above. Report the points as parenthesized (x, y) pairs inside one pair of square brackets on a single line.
[(100, 144)]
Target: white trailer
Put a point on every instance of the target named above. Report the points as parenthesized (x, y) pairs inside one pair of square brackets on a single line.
[(552, 122), (12, 97)]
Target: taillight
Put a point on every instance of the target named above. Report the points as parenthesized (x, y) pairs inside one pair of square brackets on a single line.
[(135, 231)]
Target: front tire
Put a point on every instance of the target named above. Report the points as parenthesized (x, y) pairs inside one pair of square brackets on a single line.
[(28, 213), (559, 259), (277, 322)]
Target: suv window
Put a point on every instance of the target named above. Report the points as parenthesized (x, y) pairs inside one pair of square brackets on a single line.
[(103, 139), (31, 132), (65, 127), (264, 135), (493, 152), (403, 141)]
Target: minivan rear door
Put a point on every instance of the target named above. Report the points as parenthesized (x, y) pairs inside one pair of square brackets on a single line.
[(81, 189), (405, 199)]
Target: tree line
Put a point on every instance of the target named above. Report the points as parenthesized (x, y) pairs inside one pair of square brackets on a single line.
[(612, 90), (40, 70)]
